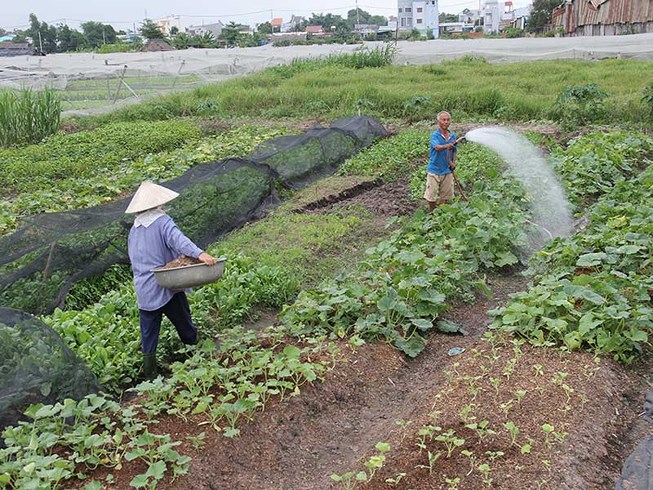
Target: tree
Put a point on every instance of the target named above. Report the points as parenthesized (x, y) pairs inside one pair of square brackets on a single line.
[(151, 30), (363, 17), (182, 41), (207, 40), (231, 33), (69, 39), (20, 37), (329, 22), (2, 32), (541, 14), (174, 30), (97, 33), (43, 36), (444, 17), (264, 28)]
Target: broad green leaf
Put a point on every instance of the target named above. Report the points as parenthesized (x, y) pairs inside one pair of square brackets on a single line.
[(422, 323), (448, 326), (588, 322), (231, 432), (411, 347), (629, 249), (139, 481), (432, 296), (157, 470), (637, 335), (591, 259), (505, 258), (292, 351), (573, 340), (46, 388), (383, 447)]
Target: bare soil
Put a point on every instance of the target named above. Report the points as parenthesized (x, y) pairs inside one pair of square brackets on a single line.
[(375, 394), (577, 416), (181, 261)]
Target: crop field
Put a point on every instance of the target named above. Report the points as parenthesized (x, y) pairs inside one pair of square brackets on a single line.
[(355, 340)]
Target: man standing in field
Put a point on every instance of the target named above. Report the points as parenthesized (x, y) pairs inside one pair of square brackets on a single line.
[(442, 161)]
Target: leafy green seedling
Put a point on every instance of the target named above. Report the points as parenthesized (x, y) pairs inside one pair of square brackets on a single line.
[(513, 430)]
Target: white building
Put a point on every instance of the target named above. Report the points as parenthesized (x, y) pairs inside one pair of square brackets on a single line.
[(423, 15), (292, 25), (405, 14), (492, 16), (167, 23), (215, 29), (470, 16)]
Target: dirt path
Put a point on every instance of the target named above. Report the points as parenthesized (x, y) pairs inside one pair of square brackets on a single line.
[(334, 425), (298, 444)]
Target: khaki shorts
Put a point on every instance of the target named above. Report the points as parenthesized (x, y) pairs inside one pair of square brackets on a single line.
[(439, 187)]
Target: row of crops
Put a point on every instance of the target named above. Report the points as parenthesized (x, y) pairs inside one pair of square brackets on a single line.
[(93, 167), (592, 290)]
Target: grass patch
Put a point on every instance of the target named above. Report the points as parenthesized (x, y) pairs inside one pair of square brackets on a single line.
[(28, 117), (324, 88)]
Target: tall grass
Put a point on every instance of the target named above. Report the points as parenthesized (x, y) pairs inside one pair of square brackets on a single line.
[(340, 85), (27, 116)]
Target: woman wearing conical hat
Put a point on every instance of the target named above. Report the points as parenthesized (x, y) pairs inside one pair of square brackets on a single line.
[(154, 240)]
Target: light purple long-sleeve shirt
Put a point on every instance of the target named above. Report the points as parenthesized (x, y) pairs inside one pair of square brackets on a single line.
[(152, 247)]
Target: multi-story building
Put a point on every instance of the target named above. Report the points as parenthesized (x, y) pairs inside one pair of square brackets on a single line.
[(405, 14), (492, 16), (421, 15), (167, 23)]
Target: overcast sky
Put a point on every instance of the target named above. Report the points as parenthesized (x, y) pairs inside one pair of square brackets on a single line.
[(122, 14)]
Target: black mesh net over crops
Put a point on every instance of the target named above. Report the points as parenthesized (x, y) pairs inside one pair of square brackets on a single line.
[(36, 367), (41, 261)]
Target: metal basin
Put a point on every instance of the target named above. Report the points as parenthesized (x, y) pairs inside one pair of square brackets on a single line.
[(189, 276)]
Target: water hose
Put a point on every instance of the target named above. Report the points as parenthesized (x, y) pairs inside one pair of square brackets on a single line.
[(453, 174)]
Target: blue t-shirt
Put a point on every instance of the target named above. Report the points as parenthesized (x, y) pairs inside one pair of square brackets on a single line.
[(439, 160)]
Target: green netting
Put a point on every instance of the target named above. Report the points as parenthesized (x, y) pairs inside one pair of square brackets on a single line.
[(41, 261), (36, 366)]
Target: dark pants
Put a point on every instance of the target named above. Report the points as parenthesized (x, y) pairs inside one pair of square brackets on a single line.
[(178, 311)]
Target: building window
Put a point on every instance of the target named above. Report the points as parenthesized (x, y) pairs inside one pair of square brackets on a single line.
[(400, 9), (419, 10), (419, 21), (403, 22), (408, 10)]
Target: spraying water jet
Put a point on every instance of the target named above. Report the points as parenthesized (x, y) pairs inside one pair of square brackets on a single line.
[(528, 164)]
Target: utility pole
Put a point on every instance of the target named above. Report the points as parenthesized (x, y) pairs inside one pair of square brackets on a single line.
[(40, 42), (358, 19)]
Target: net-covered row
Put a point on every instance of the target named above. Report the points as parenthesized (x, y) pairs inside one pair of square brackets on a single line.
[(41, 261), (36, 367)]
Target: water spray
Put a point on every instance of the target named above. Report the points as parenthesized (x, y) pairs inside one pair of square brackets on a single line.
[(527, 163)]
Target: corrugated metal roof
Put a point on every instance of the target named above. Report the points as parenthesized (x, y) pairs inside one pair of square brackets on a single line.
[(576, 13)]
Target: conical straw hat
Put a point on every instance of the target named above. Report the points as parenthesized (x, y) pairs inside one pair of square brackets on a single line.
[(148, 196)]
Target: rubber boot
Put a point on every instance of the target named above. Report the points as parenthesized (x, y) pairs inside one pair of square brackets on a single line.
[(149, 365)]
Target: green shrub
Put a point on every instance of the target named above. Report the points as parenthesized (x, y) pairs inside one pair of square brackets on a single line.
[(580, 105)]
